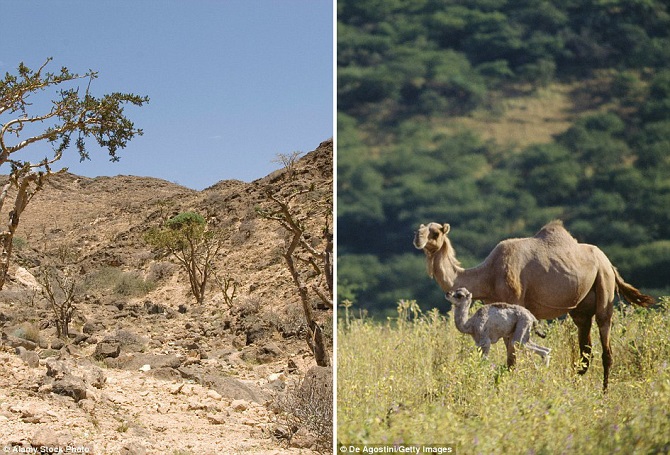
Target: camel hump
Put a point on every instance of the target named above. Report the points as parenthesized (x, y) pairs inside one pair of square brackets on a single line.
[(554, 231)]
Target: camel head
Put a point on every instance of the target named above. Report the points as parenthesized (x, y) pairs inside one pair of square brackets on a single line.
[(459, 297), (431, 238)]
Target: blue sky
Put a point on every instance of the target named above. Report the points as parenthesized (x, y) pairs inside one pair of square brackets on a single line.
[(232, 82)]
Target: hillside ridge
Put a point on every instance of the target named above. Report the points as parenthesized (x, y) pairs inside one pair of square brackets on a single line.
[(175, 375)]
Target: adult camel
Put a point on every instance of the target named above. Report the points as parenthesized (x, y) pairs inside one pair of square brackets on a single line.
[(550, 274)]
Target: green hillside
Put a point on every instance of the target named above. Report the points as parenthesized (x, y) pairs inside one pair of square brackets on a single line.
[(496, 117)]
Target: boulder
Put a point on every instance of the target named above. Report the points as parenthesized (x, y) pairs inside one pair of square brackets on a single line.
[(107, 348), (31, 358), (91, 327), (71, 386), (27, 279), (154, 361), (56, 368)]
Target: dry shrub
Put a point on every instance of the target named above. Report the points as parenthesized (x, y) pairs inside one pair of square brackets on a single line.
[(309, 405), (290, 321), (127, 284), (159, 271), (27, 331)]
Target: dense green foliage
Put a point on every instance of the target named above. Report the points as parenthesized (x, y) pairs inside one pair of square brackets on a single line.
[(406, 68), (185, 219), (422, 382), (427, 56)]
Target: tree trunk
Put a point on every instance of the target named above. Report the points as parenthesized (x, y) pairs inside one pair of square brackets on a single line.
[(314, 333), (23, 196)]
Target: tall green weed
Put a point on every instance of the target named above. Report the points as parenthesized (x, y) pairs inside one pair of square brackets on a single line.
[(417, 380)]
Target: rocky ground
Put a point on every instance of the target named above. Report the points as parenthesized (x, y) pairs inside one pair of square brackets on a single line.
[(145, 369)]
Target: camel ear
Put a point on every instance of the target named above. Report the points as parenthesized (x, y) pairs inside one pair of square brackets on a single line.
[(446, 228)]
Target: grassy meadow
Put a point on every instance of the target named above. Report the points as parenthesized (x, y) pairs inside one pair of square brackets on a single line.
[(416, 380)]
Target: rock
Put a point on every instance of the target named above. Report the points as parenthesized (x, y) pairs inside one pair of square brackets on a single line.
[(283, 432), (176, 388), (240, 341), (71, 349), (214, 395), (107, 348), (46, 437), (256, 332), (146, 367), (87, 405), (302, 439), (269, 352), (277, 377), (31, 358), (26, 278), (188, 389), (91, 327), (239, 405), (70, 386), (133, 448), (277, 385), (217, 419), (56, 368), (195, 404), (47, 353), (95, 377), (154, 308), (15, 342), (231, 388), (131, 342), (165, 373), (79, 337), (57, 344), (155, 361)]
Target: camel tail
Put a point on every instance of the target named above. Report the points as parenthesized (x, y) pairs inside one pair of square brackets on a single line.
[(631, 294)]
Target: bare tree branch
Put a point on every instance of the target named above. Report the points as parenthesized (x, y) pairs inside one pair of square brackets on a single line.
[(288, 218), (71, 113)]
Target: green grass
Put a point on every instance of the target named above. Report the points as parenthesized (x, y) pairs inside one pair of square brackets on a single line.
[(420, 381)]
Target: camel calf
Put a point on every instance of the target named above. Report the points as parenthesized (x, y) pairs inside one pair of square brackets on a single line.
[(513, 323)]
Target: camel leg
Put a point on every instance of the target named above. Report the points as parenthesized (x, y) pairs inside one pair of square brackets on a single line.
[(485, 346), (604, 287), (583, 321), (604, 312), (521, 336), (539, 350), (604, 325), (510, 344)]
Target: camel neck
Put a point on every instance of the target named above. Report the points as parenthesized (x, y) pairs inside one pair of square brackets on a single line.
[(450, 275), (461, 317), (445, 267)]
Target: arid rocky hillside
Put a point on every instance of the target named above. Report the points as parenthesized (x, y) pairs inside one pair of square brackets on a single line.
[(146, 369)]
